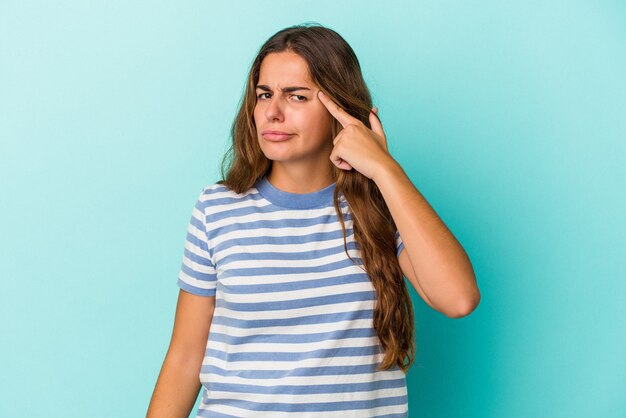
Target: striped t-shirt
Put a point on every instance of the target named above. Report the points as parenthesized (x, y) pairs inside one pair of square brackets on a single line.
[(292, 332)]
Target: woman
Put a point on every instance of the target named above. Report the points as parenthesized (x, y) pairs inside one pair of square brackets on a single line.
[(292, 299)]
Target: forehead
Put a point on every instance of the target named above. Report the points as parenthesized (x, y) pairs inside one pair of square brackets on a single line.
[(284, 69)]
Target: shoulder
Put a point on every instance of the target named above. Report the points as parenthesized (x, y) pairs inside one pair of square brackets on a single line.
[(220, 196), (218, 190)]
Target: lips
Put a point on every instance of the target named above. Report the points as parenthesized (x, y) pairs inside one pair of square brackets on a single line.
[(275, 135)]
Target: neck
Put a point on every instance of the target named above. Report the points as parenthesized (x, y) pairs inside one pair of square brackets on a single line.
[(300, 180)]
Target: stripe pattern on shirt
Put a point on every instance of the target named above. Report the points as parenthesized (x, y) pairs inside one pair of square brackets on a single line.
[(292, 332)]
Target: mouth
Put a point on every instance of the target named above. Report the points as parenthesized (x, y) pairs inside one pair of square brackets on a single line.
[(274, 137)]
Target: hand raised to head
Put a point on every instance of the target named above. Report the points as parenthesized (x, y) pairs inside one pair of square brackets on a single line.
[(357, 146)]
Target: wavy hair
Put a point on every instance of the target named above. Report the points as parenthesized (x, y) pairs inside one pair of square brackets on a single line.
[(335, 69)]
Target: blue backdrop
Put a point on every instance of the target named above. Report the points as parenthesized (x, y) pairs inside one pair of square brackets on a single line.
[(508, 117)]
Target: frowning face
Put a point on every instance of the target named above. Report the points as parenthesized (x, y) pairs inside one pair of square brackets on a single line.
[(287, 103)]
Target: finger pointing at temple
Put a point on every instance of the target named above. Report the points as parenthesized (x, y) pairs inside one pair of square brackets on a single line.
[(341, 115)]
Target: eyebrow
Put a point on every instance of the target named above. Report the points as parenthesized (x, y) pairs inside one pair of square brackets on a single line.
[(284, 89)]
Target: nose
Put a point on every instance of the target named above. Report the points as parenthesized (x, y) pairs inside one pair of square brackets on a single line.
[(274, 110)]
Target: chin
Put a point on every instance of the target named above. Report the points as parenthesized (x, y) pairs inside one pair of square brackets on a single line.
[(272, 152), (279, 158)]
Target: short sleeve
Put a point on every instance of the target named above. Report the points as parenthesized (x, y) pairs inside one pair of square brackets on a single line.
[(399, 243), (197, 273)]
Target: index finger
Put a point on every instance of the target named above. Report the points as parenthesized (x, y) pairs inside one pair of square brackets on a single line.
[(341, 115)]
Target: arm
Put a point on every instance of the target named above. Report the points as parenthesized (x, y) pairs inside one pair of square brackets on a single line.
[(178, 383), (438, 267)]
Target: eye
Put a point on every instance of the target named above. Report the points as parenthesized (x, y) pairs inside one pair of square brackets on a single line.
[(300, 98)]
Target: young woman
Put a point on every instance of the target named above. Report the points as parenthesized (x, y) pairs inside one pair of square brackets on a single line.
[(293, 301)]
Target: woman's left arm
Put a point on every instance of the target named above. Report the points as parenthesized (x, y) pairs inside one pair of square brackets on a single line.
[(438, 267), (441, 268)]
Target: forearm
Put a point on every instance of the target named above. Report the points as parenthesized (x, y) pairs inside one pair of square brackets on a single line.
[(176, 389), (443, 269)]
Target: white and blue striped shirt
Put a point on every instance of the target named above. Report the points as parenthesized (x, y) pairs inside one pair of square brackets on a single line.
[(292, 332)]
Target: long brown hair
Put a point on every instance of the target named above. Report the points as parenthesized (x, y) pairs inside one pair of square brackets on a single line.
[(334, 67)]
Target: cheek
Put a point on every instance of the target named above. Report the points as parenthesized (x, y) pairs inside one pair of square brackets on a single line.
[(320, 117), (325, 123), (311, 123), (320, 127)]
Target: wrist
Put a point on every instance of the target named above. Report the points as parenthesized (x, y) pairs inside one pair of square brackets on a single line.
[(389, 167)]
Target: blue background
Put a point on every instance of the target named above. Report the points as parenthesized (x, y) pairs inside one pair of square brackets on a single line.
[(509, 117)]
